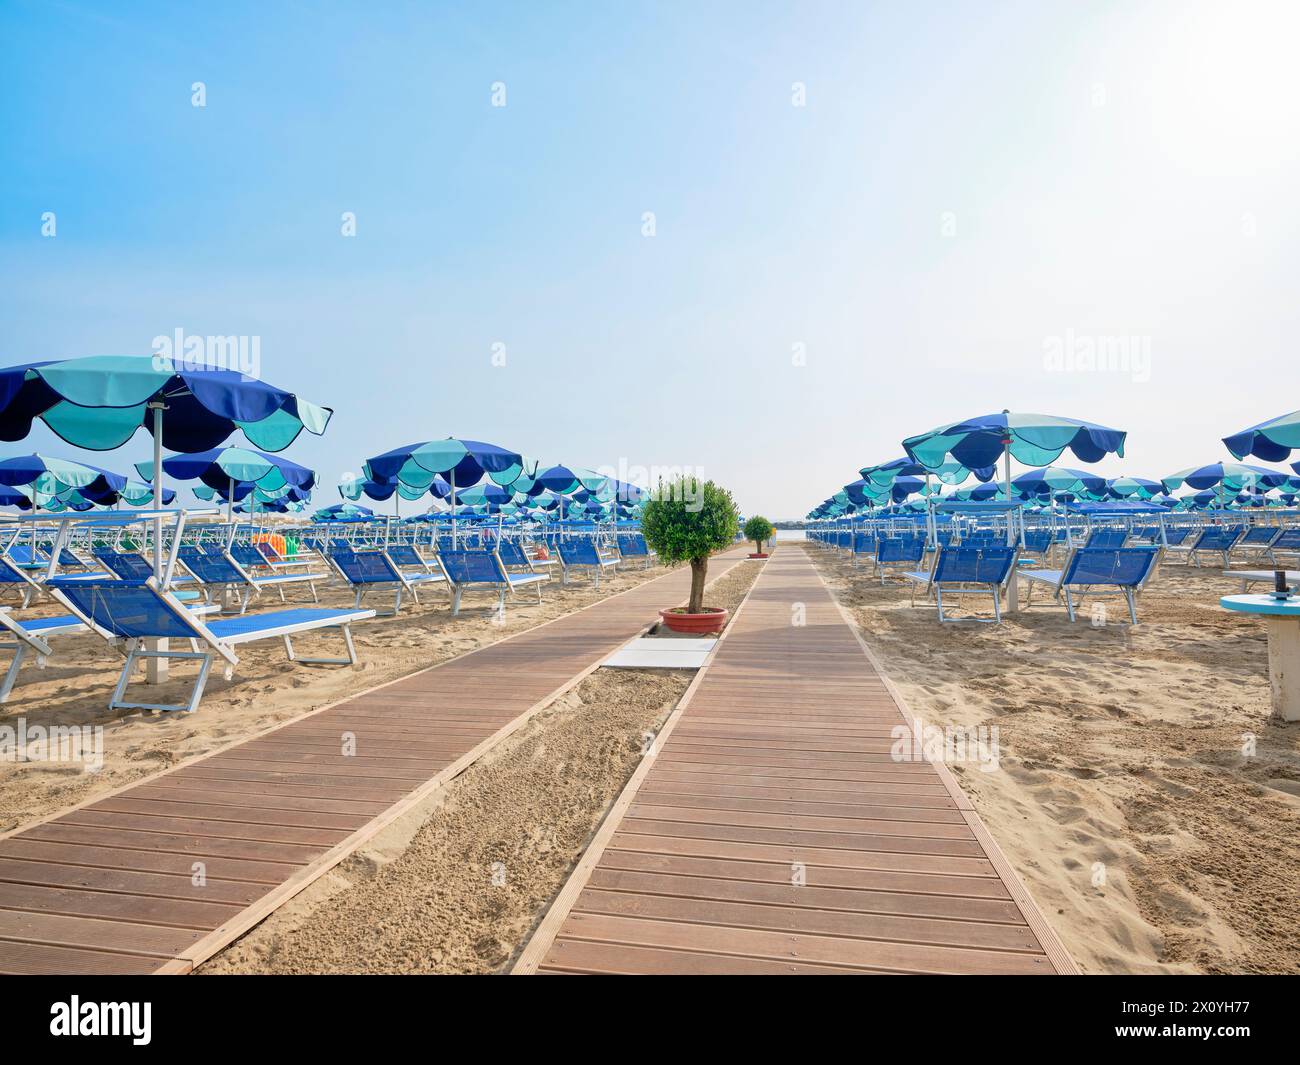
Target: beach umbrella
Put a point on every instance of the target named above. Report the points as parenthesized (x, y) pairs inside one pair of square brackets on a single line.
[(1226, 477), (1053, 479), (1128, 487), (225, 469), (952, 473), (98, 402), (1031, 439), (343, 512), (460, 464), (1271, 441)]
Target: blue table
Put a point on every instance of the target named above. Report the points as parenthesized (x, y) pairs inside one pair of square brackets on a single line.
[(1283, 619)]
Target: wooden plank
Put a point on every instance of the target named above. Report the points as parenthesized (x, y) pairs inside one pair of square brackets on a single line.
[(772, 829), (107, 886)]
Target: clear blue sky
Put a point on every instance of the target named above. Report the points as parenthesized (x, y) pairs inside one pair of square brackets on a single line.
[(966, 183)]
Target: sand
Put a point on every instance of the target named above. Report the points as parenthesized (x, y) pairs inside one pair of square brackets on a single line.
[(457, 884), (75, 687), (1124, 798)]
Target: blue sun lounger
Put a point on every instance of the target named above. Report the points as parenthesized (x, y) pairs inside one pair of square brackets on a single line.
[(633, 545), (1218, 538), (366, 571), (30, 636), (1093, 571), (895, 554), (962, 570), (464, 568), (1254, 543), (582, 554), (217, 571), (125, 613), (515, 559), (1288, 543)]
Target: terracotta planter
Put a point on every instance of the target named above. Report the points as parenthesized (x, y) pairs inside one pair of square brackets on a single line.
[(710, 620), (755, 555)]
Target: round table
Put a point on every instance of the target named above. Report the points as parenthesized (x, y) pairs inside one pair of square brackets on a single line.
[(1283, 619)]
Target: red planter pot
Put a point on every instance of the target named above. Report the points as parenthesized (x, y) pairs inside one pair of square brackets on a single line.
[(710, 620), (755, 555)]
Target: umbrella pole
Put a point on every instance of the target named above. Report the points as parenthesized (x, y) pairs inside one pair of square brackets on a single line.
[(1013, 585), (230, 503), (453, 508), (156, 668)]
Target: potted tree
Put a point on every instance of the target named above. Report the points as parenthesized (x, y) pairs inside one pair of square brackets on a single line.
[(686, 521), (760, 530)]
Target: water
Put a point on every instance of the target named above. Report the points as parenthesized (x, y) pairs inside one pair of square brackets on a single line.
[(791, 534)]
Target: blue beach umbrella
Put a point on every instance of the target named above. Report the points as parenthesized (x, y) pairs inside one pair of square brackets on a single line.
[(461, 463), (98, 402), (1133, 487), (1232, 476), (1271, 441), (236, 472), (1053, 479), (1031, 439)]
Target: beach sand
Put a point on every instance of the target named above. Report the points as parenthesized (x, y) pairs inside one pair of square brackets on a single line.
[(456, 884), (73, 690), (1125, 796)]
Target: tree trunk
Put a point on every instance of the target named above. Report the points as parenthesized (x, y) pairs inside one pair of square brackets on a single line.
[(699, 571)]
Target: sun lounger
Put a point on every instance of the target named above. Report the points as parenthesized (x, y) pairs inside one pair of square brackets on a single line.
[(582, 554), (1091, 571), (1287, 543), (1106, 539), (894, 555), (516, 560), (1217, 538), (366, 571), (30, 636), (465, 568), (127, 613), (217, 571), (633, 545), (961, 570), (1255, 544), (255, 561)]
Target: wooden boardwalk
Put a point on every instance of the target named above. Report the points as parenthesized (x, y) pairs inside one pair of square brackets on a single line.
[(158, 876), (776, 769)]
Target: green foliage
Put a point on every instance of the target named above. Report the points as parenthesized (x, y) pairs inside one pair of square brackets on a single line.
[(758, 529), (687, 521)]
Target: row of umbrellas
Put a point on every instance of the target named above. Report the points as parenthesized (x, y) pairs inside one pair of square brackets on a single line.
[(955, 452), (476, 478)]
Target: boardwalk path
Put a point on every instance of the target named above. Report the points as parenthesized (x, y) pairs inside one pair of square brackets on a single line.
[(777, 767), (108, 887)]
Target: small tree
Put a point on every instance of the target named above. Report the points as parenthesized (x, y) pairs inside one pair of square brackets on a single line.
[(686, 521), (758, 529)]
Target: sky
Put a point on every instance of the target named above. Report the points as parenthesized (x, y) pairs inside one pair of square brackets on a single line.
[(760, 241)]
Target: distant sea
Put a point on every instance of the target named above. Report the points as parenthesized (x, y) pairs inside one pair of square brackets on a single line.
[(791, 534)]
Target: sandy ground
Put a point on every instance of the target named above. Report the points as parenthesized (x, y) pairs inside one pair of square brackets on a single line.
[(1144, 794), (456, 885), (75, 687)]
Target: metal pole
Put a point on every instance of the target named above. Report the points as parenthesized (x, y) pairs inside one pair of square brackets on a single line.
[(156, 669), (1013, 585)]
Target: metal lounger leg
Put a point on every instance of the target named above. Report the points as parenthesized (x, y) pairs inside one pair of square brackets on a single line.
[(11, 674), (997, 604), (351, 659), (1069, 603), (1132, 605), (134, 654)]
